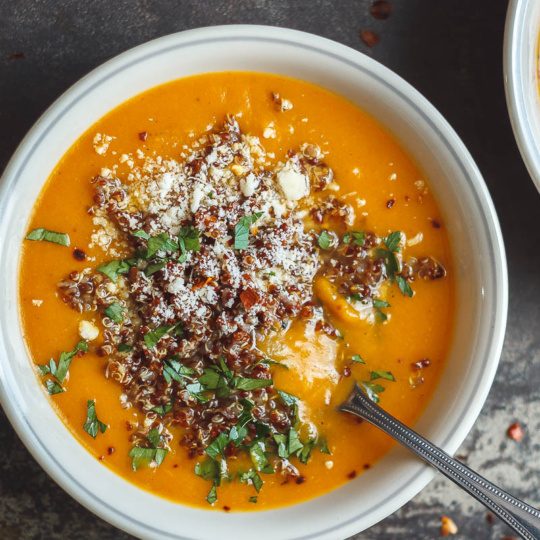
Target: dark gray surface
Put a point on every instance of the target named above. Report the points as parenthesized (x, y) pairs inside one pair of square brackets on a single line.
[(451, 51)]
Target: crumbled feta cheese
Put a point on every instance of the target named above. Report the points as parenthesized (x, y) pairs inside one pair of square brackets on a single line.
[(88, 331), (329, 464), (294, 184), (270, 131), (249, 185), (101, 143)]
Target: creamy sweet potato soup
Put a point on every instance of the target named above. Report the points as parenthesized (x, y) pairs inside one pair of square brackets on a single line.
[(210, 268)]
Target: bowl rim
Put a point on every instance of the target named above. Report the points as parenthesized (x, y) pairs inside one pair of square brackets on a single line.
[(515, 51), (413, 483)]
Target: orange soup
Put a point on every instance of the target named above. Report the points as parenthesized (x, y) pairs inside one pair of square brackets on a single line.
[(208, 271)]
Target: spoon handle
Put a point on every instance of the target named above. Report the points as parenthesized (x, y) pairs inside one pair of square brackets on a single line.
[(521, 517)]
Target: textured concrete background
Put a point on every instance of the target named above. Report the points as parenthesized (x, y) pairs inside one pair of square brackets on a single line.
[(451, 51)]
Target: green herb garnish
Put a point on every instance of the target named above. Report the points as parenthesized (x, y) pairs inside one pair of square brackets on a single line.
[(358, 237), (188, 239), (59, 371), (241, 230), (115, 312), (113, 269), (152, 338), (44, 235), (211, 498), (142, 234), (393, 241), (160, 242), (242, 383), (144, 456), (93, 425), (404, 286), (287, 398), (324, 240), (358, 359), (372, 390), (251, 477), (53, 387), (374, 375), (379, 305)]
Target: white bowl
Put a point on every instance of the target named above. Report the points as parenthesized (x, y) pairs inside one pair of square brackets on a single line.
[(467, 211), (521, 80)]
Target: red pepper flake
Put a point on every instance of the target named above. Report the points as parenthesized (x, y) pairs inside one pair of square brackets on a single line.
[(17, 56), (143, 135), (369, 37), (390, 203), (110, 450), (101, 458), (300, 480), (227, 508), (175, 466), (346, 371), (381, 9), (435, 224), (515, 432), (490, 518), (351, 475), (79, 254), (249, 298), (367, 466), (421, 364)]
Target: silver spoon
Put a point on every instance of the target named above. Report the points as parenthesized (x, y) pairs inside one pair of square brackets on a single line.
[(522, 518)]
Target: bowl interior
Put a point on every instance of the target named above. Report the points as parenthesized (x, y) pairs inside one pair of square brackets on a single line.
[(467, 212), (521, 80)]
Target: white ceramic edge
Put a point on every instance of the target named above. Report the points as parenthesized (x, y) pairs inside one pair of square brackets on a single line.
[(520, 80), (499, 272)]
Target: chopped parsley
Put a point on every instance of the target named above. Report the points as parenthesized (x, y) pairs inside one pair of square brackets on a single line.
[(53, 387), (152, 338), (155, 267), (241, 383), (242, 228), (60, 370), (211, 498), (404, 286), (358, 237), (113, 269), (251, 477), (44, 235), (372, 390), (160, 243), (379, 305), (93, 425), (287, 398), (358, 359), (142, 234), (324, 240), (188, 239), (374, 375), (162, 410), (115, 312), (144, 456)]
